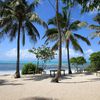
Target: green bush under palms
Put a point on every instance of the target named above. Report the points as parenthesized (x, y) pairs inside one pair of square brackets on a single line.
[(31, 69), (28, 68)]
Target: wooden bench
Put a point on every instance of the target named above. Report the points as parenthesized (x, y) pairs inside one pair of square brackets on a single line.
[(53, 72)]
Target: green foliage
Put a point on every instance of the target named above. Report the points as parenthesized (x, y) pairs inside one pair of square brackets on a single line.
[(15, 12), (77, 61), (44, 53), (80, 60), (96, 27), (28, 68), (73, 60), (95, 60), (31, 69), (90, 68)]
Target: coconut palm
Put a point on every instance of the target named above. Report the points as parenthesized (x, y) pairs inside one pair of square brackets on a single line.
[(17, 19), (68, 35), (87, 5), (96, 27)]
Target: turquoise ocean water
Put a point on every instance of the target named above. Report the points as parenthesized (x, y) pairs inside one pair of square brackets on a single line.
[(9, 67)]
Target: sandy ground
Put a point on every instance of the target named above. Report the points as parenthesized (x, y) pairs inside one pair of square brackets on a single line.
[(74, 87)]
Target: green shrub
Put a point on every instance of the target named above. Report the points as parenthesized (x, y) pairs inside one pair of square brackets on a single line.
[(28, 68), (90, 68)]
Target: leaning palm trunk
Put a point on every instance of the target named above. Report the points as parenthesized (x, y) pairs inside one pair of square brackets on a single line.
[(56, 79), (17, 74), (69, 67)]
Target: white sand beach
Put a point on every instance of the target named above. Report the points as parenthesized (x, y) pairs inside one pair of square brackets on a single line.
[(74, 87)]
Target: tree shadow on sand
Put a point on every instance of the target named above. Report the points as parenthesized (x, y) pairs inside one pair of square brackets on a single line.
[(38, 98), (89, 80), (5, 82), (38, 77)]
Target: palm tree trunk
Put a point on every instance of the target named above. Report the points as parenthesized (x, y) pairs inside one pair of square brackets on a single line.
[(17, 74), (69, 67), (56, 79)]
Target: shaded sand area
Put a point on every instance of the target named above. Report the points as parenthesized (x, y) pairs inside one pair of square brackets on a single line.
[(74, 87)]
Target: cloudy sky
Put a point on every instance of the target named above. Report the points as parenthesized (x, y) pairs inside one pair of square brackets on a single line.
[(45, 11)]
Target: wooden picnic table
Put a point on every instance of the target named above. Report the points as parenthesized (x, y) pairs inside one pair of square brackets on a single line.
[(53, 72)]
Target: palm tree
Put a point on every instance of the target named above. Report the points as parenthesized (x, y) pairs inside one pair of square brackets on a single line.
[(87, 5), (96, 27), (17, 18), (67, 28), (56, 79)]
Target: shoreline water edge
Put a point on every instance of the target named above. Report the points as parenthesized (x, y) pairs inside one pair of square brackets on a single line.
[(9, 68)]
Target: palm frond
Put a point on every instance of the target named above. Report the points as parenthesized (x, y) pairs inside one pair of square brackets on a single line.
[(30, 32), (35, 18), (31, 51), (68, 19), (33, 6), (95, 34), (77, 25), (5, 21), (75, 44), (82, 24), (6, 29), (52, 21), (67, 35), (34, 29), (97, 18), (82, 38), (55, 46), (13, 31), (61, 20), (51, 32), (96, 27), (51, 39)]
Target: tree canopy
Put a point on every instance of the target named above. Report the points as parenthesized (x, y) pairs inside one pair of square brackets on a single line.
[(95, 60)]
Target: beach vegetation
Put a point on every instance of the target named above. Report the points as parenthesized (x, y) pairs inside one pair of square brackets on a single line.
[(44, 54), (68, 35), (30, 68), (63, 33), (17, 19), (86, 5), (95, 27), (94, 62), (90, 69), (76, 61), (81, 60)]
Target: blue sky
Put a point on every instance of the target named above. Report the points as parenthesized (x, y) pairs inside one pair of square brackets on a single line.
[(45, 11)]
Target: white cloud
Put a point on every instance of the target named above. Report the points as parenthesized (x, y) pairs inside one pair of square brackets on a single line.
[(24, 54), (72, 52)]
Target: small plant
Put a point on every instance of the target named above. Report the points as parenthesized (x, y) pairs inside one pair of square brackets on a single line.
[(28, 68)]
